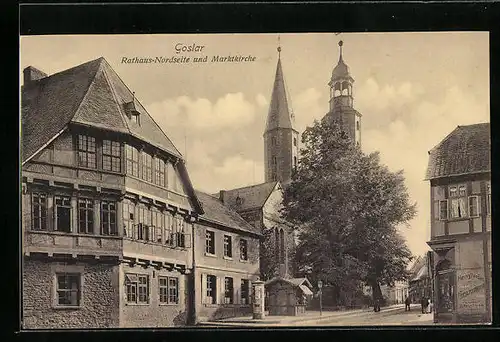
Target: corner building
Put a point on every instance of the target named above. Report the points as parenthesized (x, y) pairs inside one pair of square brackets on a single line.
[(459, 172), (108, 207)]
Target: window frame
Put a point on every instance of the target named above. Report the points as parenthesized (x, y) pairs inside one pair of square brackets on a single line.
[(243, 246), (82, 148), (41, 209), (211, 288), (132, 160), (147, 167), (166, 297), (159, 171), (228, 290), (457, 196), (114, 155), (89, 212), (107, 213), (136, 284), (446, 210), (478, 207), (68, 207), (228, 246), (209, 242), (58, 290), (245, 285)]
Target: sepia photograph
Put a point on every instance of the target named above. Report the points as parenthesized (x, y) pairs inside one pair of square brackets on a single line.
[(255, 180)]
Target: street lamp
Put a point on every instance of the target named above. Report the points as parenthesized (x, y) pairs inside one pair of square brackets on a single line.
[(320, 285)]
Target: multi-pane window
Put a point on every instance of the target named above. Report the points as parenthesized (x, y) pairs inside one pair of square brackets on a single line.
[(63, 214), (180, 233), (137, 287), (443, 209), (211, 294), (68, 289), (245, 291), (85, 216), (458, 201), (157, 225), (132, 160), (169, 229), (108, 218), (128, 209), (228, 246), (147, 167), (243, 249), (159, 172), (474, 208), (171, 177), (143, 228), (169, 290), (228, 290), (86, 151), (210, 242), (111, 156), (39, 211)]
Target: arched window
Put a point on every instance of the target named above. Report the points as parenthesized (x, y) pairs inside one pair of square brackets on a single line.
[(282, 246), (295, 162), (337, 89), (273, 141), (357, 125), (345, 88)]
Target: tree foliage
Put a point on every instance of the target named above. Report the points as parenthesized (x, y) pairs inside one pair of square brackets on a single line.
[(348, 206)]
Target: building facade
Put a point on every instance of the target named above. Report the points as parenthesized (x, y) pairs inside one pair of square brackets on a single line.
[(226, 261), (259, 205), (109, 215), (459, 172), (341, 103), (420, 281)]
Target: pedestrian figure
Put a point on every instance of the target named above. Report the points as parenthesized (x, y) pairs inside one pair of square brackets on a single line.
[(423, 301), (407, 304), (428, 306), (376, 306)]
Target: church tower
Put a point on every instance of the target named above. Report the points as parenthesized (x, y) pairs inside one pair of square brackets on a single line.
[(341, 101), (281, 145)]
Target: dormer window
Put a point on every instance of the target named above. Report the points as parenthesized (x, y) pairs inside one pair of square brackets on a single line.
[(131, 109)]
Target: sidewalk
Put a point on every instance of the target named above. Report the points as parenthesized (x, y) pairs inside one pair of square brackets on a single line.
[(309, 317)]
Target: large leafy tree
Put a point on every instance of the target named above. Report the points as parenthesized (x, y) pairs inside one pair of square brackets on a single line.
[(348, 206)]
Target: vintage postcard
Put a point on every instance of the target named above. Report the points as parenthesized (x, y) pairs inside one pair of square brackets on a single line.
[(255, 180)]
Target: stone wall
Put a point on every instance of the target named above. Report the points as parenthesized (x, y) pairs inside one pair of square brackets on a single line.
[(154, 314), (99, 298)]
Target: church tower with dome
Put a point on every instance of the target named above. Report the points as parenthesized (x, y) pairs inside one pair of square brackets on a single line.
[(341, 104)]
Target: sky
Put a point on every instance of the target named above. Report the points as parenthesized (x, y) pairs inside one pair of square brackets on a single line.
[(412, 89)]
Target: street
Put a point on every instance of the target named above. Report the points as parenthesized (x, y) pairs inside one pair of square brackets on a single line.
[(392, 315), (397, 316)]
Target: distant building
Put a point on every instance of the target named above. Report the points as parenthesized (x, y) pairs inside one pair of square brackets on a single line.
[(459, 172), (420, 281)]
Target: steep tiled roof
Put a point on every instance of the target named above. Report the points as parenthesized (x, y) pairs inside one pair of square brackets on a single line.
[(215, 211), (251, 197), (91, 94), (294, 281), (465, 150), (279, 115)]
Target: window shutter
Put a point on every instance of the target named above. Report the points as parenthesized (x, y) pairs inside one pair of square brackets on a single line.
[(436, 210), (478, 205), (203, 288)]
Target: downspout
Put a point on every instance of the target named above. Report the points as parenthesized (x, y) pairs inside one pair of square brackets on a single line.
[(194, 318)]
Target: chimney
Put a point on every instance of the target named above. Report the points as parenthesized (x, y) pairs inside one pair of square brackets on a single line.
[(222, 195), (32, 74)]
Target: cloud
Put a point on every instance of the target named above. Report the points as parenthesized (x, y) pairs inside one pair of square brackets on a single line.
[(261, 100), (308, 106), (405, 139), (231, 110)]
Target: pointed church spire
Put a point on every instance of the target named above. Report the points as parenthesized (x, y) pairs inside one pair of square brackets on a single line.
[(279, 115)]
